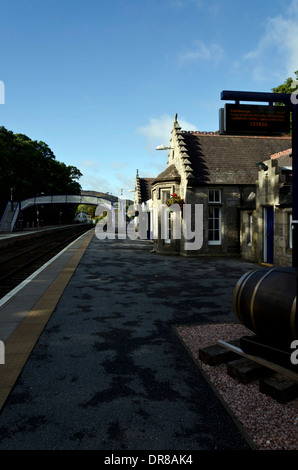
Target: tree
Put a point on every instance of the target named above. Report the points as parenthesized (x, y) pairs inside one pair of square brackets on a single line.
[(30, 168), (286, 87), (86, 208)]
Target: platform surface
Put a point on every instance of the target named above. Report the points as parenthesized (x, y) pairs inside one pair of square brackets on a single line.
[(91, 358)]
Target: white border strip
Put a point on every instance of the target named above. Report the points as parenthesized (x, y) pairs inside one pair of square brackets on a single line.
[(14, 291)]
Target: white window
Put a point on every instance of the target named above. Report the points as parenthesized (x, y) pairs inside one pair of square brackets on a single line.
[(214, 196), (165, 194), (166, 217), (214, 225)]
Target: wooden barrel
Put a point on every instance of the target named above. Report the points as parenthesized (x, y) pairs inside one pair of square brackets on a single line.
[(264, 301)]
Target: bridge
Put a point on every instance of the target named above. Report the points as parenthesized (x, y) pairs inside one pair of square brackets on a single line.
[(12, 210)]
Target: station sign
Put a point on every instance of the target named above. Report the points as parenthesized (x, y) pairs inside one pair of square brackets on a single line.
[(255, 119)]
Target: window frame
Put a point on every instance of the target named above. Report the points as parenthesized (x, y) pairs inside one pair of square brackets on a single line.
[(165, 193), (213, 230), (213, 200)]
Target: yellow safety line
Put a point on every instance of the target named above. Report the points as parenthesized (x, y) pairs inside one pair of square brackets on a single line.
[(23, 339)]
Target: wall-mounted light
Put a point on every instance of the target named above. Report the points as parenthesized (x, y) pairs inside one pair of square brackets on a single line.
[(287, 168), (262, 166), (164, 147)]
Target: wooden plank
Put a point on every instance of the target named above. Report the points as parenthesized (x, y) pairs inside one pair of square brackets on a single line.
[(282, 370)]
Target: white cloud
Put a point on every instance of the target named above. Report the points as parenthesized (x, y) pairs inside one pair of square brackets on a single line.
[(125, 181), (276, 53), (118, 164), (293, 8), (212, 6), (185, 3), (158, 131), (201, 52), (89, 164), (94, 183)]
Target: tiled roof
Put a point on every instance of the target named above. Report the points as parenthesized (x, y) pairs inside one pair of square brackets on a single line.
[(284, 153), (225, 159), (285, 160), (145, 188), (170, 174)]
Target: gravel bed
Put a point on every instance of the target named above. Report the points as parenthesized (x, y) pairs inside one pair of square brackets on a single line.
[(269, 424)]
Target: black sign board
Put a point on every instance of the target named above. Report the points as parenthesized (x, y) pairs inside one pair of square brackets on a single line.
[(256, 119)]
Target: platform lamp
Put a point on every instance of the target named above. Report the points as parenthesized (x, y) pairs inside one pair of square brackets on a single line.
[(262, 166), (37, 211), (11, 199)]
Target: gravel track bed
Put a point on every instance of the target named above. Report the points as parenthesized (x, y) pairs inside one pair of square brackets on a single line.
[(269, 424)]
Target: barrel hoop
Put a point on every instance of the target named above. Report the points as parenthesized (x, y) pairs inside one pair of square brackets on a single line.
[(254, 295), (237, 296), (293, 318)]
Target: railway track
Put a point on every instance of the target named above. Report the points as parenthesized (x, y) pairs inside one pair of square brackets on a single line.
[(20, 261)]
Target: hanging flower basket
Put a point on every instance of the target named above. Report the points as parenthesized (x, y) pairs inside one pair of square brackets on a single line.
[(175, 199)]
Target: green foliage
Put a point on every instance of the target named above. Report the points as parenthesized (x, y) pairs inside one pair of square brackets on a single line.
[(175, 199), (30, 168), (85, 208), (286, 87), (100, 217)]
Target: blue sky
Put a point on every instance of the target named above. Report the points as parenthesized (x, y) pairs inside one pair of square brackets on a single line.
[(100, 81)]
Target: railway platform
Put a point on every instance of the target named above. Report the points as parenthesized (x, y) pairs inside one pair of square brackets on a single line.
[(91, 360)]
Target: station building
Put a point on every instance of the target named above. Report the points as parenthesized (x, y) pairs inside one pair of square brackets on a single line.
[(219, 172)]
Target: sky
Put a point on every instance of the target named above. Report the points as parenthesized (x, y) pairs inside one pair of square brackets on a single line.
[(100, 81)]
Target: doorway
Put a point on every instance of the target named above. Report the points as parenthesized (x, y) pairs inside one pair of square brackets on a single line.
[(268, 234)]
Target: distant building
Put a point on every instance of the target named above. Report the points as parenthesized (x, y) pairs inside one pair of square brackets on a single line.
[(82, 217), (143, 196)]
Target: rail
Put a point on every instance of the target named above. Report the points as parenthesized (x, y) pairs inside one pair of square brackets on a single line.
[(23, 263)]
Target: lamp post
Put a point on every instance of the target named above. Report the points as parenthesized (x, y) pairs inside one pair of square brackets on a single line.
[(37, 211), (11, 199), (295, 183)]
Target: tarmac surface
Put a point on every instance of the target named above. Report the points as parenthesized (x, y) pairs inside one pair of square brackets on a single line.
[(108, 372)]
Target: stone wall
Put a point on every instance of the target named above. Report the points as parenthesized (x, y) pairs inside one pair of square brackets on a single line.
[(282, 250), (230, 200), (229, 207), (268, 193)]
